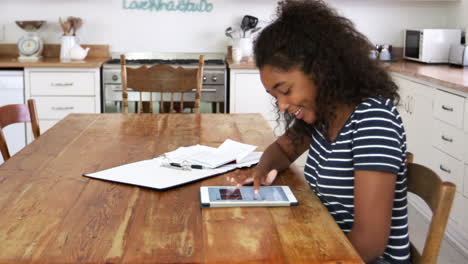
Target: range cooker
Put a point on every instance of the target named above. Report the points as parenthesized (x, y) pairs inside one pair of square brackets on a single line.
[(213, 92)]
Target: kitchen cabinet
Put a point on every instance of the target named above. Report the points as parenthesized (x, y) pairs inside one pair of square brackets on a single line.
[(465, 122), (448, 168), (436, 124), (12, 92), (448, 137), (449, 108), (62, 91), (431, 1), (465, 147), (247, 95), (415, 108), (461, 198)]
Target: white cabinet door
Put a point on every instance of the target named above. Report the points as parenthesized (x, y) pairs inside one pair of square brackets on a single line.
[(416, 112), (465, 180), (448, 168), (249, 96), (465, 123), (403, 104), (49, 108), (449, 108), (448, 139), (12, 92), (53, 83), (422, 122), (62, 91), (465, 147)]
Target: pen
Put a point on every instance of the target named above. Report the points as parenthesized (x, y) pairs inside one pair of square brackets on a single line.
[(193, 166)]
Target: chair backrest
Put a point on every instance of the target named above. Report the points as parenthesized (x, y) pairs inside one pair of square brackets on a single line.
[(438, 195), (17, 113), (162, 79)]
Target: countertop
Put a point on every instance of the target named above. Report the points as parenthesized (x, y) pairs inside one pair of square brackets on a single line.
[(245, 63), (441, 74), (98, 54), (8, 62)]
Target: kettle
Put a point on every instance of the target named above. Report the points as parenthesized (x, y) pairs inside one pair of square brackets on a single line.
[(386, 53), (78, 53)]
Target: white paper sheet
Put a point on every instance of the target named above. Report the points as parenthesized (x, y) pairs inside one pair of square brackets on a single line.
[(229, 151), (154, 173), (150, 173)]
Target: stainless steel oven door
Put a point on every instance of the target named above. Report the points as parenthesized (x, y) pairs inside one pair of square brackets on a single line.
[(211, 96)]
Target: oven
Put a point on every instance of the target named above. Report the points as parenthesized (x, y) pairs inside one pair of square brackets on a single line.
[(213, 93)]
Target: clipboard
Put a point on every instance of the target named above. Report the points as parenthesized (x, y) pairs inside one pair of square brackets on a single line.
[(152, 174)]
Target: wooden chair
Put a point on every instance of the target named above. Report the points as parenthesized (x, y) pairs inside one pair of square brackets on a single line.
[(162, 79), (438, 195), (16, 113)]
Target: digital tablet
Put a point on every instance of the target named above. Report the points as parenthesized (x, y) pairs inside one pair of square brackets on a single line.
[(230, 196)]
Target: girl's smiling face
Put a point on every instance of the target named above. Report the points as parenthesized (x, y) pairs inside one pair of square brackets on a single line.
[(294, 91)]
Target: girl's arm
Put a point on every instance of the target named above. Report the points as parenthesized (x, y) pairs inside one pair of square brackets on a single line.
[(373, 203), (276, 157)]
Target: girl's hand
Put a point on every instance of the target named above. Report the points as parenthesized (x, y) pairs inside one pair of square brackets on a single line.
[(255, 175)]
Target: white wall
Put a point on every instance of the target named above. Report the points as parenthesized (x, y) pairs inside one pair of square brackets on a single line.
[(384, 22), (460, 11), (106, 22)]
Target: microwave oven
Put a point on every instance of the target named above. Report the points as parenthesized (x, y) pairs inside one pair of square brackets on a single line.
[(430, 45)]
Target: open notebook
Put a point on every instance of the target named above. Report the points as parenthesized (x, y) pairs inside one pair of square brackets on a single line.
[(155, 173)]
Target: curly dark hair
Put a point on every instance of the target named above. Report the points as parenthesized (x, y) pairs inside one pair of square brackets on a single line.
[(311, 36)]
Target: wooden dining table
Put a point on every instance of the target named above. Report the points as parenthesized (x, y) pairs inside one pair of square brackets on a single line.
[(50, 213)]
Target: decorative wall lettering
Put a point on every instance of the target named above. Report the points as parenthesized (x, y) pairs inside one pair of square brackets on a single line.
[(168, 5)]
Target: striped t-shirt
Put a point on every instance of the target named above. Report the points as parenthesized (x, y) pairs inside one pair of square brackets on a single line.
[(372, 139)]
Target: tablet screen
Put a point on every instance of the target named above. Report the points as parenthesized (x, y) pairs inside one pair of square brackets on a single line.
[(270, 193)]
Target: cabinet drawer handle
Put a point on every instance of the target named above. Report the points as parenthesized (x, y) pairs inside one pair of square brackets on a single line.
[(193, 90), (119, 89), (411, 104), (205, 90), (405, 104), (62, 108), (447, 108), (446, 138), (442, 168), (62, 84)]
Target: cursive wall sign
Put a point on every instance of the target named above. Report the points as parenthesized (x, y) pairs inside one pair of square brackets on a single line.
[(176, 5)]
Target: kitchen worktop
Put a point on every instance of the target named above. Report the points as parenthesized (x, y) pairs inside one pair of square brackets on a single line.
[(98, 54), (245, 63), (441, 74)]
